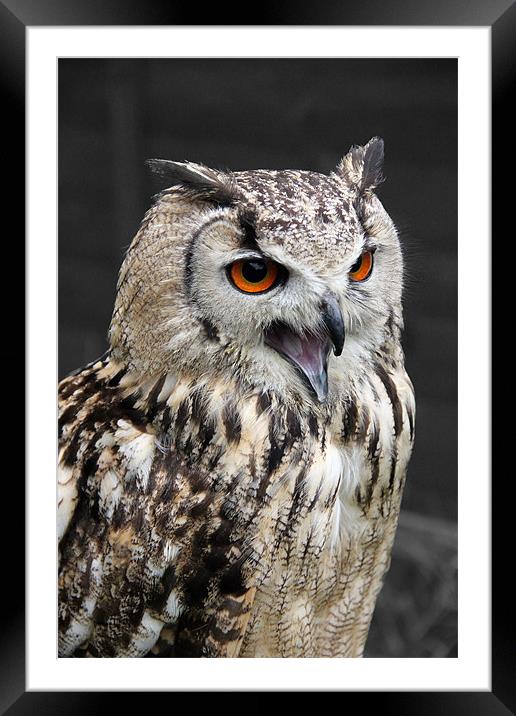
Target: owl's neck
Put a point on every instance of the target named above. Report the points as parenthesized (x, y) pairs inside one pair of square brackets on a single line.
[(154, 389), (211, 408), (217, 364)]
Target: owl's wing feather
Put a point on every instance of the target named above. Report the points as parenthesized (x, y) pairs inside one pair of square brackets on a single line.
[(149, 564)]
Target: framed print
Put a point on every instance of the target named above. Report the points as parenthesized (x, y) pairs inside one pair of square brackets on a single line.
[(103, 93)]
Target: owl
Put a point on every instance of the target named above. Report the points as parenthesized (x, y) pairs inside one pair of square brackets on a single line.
[(231, 470)]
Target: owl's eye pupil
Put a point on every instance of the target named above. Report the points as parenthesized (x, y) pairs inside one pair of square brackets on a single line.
[(356, 265), (254, 270)]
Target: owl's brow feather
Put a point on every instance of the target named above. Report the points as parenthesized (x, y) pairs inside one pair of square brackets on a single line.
[(369, 244), (248, 240)]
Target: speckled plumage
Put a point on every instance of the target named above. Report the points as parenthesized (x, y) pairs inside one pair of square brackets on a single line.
[(209, 503)]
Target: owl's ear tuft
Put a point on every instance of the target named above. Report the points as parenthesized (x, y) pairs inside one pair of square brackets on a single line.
[(195, 181), (362, 166)]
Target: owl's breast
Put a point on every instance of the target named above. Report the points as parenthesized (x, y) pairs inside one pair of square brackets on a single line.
[(310, 519), (333, 516)]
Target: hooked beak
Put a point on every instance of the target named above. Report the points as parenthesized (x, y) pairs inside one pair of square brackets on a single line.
[(309, 351)]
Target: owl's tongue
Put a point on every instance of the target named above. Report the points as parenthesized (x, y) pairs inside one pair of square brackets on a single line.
[(307, 351)]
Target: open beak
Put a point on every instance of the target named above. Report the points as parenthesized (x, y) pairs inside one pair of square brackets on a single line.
[(309, 351)]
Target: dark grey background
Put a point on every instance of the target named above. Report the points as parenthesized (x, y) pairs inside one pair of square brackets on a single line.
[(295, 113)]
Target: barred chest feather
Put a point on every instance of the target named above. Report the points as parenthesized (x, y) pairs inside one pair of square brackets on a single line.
[(205, 496)]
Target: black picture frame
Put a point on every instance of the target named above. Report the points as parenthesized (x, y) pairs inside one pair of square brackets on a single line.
[(15, 17)]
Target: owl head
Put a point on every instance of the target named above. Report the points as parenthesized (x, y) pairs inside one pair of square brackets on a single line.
[(284, 280)]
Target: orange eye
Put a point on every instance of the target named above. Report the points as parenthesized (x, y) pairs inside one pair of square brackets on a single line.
[(362, 268), (254, 275)]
